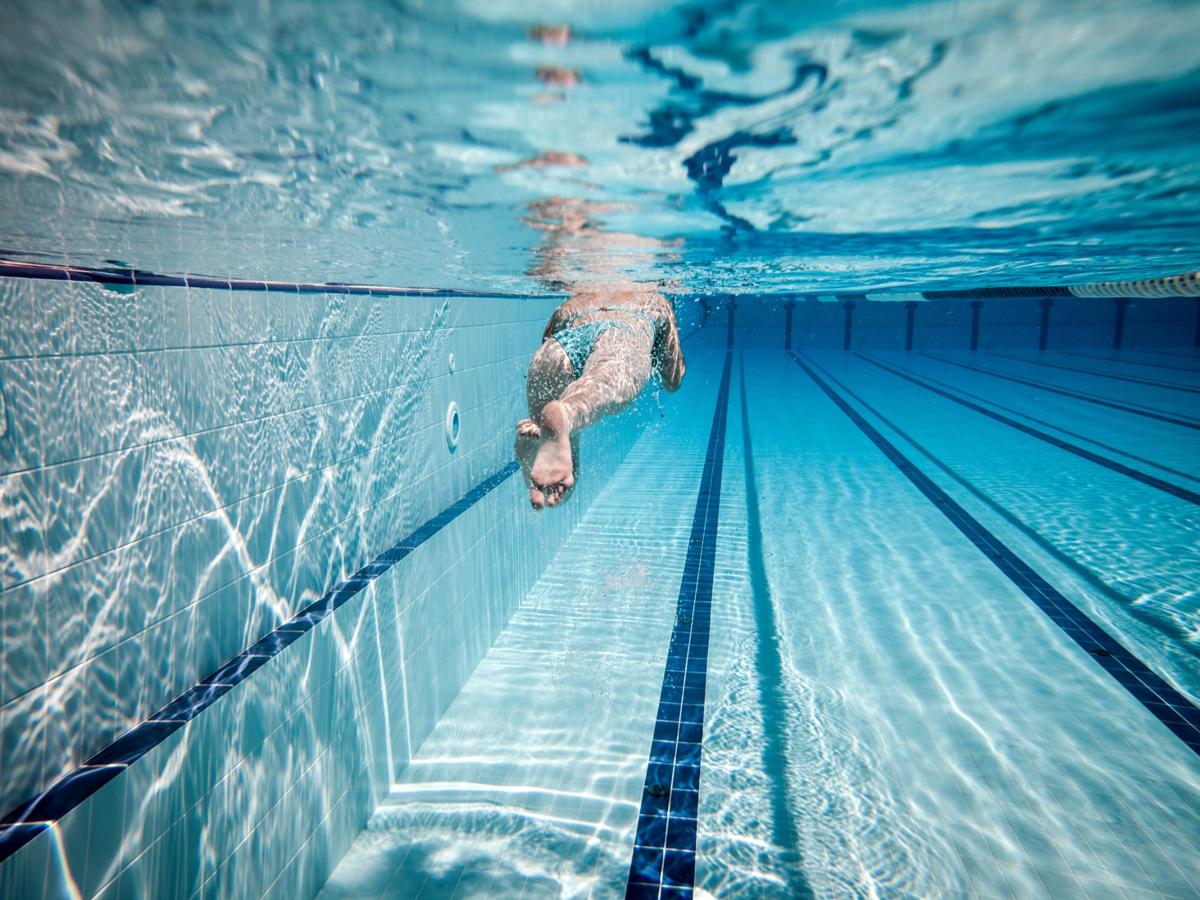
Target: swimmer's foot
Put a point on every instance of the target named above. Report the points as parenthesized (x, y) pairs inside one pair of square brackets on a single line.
[(528, 440), (553, 472)]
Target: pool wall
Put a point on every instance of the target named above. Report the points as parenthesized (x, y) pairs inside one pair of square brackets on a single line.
[(184, 470), (1004, 323)]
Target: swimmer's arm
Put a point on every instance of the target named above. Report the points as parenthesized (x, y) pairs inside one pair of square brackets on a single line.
[(669, 352)]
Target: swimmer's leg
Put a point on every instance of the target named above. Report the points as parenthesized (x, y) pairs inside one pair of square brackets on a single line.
[(550, 372), (612, 378)]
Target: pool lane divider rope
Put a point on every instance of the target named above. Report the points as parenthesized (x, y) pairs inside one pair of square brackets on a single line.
[(24, 823), (1164, 702), (1149, 480), (664, 852)]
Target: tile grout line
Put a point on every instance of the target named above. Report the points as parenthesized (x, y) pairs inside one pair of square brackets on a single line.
[(664, 852), (1172, 708)]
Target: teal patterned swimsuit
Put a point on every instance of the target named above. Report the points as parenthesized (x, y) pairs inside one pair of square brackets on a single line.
[(577, 341)]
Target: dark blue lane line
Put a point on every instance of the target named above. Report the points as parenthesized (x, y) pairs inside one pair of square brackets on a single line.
[(664, 852), (1067, 392), (1148, 480), (132, 278), (1168, 705), (25, 822), (1113, 375)]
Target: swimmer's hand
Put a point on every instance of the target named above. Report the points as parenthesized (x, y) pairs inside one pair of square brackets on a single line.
[(668, 354)]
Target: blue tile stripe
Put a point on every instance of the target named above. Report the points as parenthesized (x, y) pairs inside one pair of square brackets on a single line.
[(25, 822), (137, 278), (1168, 705), (1148, 480), (1067, 392), (664, 853), (1111, 375)]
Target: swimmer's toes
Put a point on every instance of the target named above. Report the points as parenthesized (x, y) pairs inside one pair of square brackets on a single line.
[(528, 428), (536, 498), (563, 489)]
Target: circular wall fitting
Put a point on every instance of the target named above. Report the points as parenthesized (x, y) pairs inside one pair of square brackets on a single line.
[(453, 425)]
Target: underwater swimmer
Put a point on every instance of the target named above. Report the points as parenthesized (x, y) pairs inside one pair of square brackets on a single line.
[(599, 350)]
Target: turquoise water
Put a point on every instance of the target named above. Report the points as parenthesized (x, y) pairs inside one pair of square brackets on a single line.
[(756, 146), (945, 599)]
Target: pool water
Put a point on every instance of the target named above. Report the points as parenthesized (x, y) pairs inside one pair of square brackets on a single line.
[(896, 597)]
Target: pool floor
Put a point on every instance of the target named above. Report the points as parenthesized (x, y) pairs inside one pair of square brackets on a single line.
[(887, 713)]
